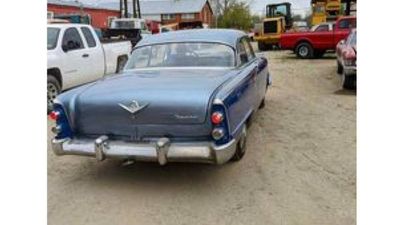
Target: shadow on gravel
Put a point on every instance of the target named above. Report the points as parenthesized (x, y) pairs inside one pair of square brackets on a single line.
[(294, 57), (153, 176), (345, 92)]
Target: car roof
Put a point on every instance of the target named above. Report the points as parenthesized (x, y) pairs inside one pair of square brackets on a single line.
[(66, 25), (225, 36)]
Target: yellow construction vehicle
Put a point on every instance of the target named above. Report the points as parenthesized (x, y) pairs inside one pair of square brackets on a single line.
[(325, 10), (278, 19)]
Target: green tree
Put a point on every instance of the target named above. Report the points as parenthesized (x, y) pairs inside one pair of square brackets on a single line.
[(236, 15), (256, 19)]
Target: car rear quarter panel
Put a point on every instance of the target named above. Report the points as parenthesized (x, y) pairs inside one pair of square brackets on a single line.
[(241, 96)]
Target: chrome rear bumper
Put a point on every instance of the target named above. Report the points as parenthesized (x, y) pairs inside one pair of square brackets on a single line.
[(161, 151)]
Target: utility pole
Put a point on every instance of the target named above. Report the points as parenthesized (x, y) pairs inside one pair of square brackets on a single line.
[(120, 9), (134, 8), (80, 7), (126, 8), (138, 8)]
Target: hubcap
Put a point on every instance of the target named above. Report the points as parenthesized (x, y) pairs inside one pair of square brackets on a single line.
[(52, 93), (303, 51)]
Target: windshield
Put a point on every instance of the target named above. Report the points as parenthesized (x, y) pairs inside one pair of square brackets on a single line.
[(52, 37), (182, 55), (353, 40)]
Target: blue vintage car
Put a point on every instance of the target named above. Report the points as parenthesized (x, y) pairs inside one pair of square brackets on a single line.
[(185, 96)]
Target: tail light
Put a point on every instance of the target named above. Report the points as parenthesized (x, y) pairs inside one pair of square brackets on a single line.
[(349, 57), (62, 128), (54, 115), (217, 117), (220, 130), (218, 133)]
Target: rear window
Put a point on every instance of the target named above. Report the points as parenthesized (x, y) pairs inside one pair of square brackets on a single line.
[(322, 28), (182, 55), (353, 40), (270, 27), (89, 37), (52, 37), (347, 24)]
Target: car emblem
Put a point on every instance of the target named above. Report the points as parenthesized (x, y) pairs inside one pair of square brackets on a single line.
[(134, 107)]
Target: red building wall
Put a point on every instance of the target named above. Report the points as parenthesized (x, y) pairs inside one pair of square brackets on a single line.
[(205, 16), (99, 16)]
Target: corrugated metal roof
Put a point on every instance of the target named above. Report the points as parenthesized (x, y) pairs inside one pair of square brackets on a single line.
[(77, 4), (171, 6), (150, 7)]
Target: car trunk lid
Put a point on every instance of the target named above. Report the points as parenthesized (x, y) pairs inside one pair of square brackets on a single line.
[(147, 99)]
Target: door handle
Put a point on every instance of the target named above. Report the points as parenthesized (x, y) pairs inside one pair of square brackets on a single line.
[(85, 55)]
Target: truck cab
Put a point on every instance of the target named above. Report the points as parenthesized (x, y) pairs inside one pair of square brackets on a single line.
[(269, 33), (75, 56)]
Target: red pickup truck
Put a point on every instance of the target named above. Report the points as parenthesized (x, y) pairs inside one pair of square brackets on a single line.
[(313, 44)]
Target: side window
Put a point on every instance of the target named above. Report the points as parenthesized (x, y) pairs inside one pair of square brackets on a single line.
[(347, 23), (243, 57), (249, 49), (72, 40), (89, 37), (322, 28), (348, 39)]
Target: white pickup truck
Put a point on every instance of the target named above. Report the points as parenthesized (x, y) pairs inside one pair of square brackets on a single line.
[(76, 56)]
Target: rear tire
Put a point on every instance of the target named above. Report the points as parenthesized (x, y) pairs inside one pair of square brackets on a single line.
[(53, 89), (262, 104), (339, 69), (269, 47), (241, 145), (304, 51), (261, 46), (349, 81)]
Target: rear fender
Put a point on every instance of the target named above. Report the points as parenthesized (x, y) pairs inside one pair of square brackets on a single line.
[(234, 97)]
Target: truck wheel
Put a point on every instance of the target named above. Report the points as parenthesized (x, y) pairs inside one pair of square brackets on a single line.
[(121, 63), (305, 51), (241, 145), (53, 89), (269, 47), (349, 81), (339, 69), (261, 46)]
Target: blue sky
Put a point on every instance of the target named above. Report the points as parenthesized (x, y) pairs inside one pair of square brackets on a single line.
[(256, 6)]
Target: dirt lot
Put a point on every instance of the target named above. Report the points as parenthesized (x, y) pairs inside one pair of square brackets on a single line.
[(300, 167)]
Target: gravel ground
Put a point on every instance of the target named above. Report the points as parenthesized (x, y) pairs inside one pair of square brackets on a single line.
[(300, 167)]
